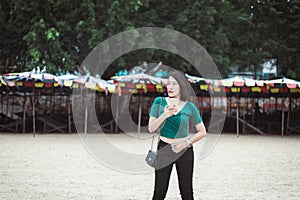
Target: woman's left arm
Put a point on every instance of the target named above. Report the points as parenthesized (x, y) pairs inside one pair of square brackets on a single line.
[(201, 133)]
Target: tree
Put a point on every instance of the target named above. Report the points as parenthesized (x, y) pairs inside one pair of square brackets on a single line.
[(60, 34), (14, 23), (267, 31)]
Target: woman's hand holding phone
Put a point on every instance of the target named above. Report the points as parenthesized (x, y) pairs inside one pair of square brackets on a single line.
[(169, 111)]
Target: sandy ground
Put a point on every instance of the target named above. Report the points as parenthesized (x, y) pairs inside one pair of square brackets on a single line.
[(58, 166)]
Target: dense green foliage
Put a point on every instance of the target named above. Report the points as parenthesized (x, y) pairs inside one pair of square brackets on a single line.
[(59, 34)]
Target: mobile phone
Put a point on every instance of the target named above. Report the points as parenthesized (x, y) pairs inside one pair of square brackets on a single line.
[(172, 102)]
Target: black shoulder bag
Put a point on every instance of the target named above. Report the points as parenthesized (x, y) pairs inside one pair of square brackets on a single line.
[(151, 158)]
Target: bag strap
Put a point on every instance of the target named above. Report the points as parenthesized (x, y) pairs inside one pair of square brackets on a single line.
[(160, 102), (152, 142), (158, 139)]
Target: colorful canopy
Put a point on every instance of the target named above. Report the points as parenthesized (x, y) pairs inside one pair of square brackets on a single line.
[(244, 86), (29, 80), (147, 84), (140, 78)]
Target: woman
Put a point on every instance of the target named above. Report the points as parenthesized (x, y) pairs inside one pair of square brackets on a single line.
[(172, 115)]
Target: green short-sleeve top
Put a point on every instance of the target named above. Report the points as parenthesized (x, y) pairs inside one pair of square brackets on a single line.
[(176, 126)]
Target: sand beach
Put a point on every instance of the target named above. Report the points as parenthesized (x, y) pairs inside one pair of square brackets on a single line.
[(58, 166)]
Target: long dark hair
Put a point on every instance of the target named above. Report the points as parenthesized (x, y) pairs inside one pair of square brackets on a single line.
[(185, 87)]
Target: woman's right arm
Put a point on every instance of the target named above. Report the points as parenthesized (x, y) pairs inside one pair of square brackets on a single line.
[(155, 123)]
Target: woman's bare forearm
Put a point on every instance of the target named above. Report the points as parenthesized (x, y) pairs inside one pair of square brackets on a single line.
[(155, 123), (201, 133)]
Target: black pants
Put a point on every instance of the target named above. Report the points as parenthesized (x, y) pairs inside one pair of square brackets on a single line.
[(184, 166)]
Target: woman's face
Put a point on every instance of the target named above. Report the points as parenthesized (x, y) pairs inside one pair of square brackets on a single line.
[(173, 87)]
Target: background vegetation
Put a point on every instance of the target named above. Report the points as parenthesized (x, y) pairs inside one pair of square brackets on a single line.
[(60, 33)]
